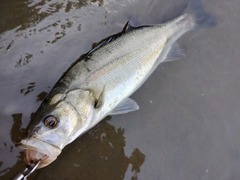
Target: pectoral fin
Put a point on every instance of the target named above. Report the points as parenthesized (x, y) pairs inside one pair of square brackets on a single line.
[(99, 103), (125, 106)]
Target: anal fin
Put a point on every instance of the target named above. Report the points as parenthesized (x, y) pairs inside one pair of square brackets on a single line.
[(174, 53)]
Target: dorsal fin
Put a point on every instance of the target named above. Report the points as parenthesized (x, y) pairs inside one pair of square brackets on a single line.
[(130, 25), (107, 40), (133, 23)]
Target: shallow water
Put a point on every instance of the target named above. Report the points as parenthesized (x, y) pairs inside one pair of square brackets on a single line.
[(188, 123)]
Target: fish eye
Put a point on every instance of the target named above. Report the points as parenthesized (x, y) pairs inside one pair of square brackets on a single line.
[(50, 121)]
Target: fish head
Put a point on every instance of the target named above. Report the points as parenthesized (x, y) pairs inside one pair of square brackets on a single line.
[(54, 125)]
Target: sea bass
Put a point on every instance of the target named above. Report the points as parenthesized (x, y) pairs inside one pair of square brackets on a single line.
[(100, 83)]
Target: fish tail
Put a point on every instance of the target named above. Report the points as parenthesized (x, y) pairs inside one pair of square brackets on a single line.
[(199, 17)]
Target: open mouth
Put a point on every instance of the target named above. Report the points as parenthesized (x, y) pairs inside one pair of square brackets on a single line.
[(32, 157), (37, 150)]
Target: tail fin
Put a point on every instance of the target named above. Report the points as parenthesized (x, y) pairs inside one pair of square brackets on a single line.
[(199, 16)]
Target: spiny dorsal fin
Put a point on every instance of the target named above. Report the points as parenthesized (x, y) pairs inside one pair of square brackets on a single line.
[(130, 25), (107, 40), (133, 23)]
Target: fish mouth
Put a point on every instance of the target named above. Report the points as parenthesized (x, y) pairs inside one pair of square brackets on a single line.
[(38, 150)]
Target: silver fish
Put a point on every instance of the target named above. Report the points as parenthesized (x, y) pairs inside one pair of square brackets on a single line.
[(100, 83)]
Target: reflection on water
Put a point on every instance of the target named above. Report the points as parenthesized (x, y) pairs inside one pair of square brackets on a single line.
[(29, 13), (15, 135), (9, 46), (28, 89), (17, 129), (137, 159), (24, 59), (41, 96)]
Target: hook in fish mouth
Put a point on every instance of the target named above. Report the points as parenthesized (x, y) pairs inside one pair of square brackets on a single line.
[(32, 157), (37, 150)]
